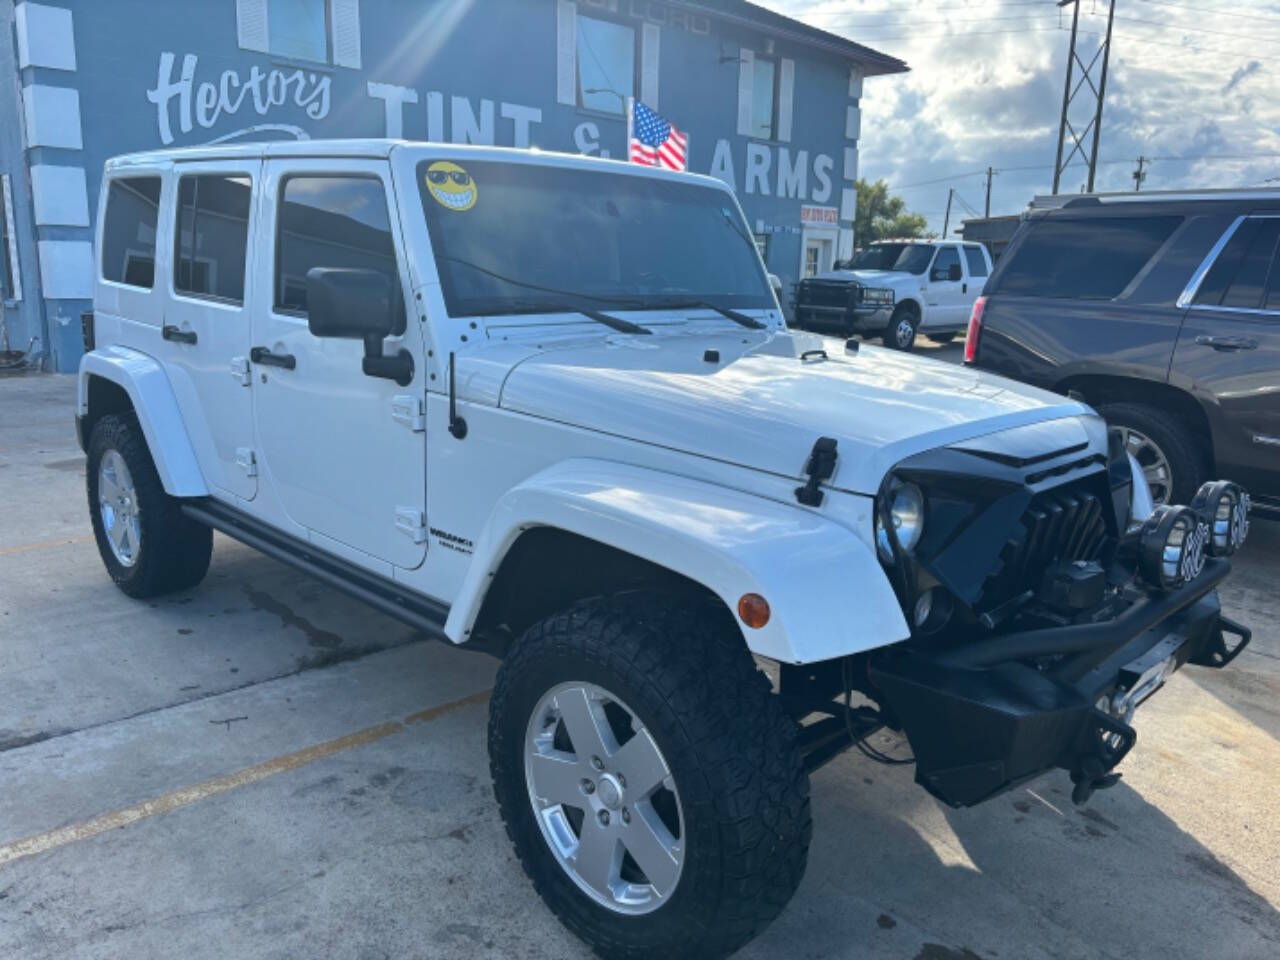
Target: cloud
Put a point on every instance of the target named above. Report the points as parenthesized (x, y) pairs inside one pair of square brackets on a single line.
[(1248, 70), (986, 86)]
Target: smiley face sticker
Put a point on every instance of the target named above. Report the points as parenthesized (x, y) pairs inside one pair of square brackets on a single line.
[(452, 186)]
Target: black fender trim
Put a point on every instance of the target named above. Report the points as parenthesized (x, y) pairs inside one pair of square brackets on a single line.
[(391, 598)]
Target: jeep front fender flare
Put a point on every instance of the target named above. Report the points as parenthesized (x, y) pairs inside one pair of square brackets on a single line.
[(156, 408), (827, 591)]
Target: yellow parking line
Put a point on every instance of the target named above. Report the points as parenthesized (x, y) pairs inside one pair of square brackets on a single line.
[(44, 545), (186, 796)]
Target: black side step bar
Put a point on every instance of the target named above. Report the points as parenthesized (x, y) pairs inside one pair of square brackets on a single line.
[(411, 608)]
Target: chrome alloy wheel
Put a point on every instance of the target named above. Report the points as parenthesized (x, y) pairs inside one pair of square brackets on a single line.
[(604, 798), (904, 332), (1154, 464), (118, 506)]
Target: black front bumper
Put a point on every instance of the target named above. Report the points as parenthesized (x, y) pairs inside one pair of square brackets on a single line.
[(842, 320), (982, 720)]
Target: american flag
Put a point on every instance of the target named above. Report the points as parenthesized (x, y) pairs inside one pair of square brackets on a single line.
[(655, 142)]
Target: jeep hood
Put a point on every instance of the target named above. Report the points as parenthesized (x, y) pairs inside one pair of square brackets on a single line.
[(762, 405)]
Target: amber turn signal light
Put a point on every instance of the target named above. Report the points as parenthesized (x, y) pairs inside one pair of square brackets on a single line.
[(753, 609)]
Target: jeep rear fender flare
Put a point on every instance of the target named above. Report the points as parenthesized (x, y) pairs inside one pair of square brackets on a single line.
[(156, 407), (807, 567)]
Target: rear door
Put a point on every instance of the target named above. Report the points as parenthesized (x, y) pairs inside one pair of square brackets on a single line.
[(344, 453), (945, 297), (1228, 352), (206, 322)]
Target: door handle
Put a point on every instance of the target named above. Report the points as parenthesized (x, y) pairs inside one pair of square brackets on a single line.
[(177, 334), (1227, 343), (264, 357), (964, 288)]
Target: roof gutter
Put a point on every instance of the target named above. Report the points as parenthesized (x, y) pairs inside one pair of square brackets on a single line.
[(873, 62)]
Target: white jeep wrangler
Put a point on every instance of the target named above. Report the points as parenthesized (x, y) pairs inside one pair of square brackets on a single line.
[(547, 407), (896, 289)]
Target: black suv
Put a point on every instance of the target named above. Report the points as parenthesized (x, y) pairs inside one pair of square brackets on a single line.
[(1163, 312)]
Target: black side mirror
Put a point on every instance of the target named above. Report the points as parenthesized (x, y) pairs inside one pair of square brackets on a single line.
[(353, 304), (954, 274)]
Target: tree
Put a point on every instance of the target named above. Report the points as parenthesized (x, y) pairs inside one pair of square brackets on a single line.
[(881, 215)]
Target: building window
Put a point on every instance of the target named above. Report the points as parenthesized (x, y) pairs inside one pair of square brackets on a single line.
[(331, 222), (764, 99), (10, 285), (212, 236), (299, 29), (811, 254), (606, 55), (129, 231), (762, 244)]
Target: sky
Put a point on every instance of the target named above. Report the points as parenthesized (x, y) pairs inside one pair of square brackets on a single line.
[(1193, 84)]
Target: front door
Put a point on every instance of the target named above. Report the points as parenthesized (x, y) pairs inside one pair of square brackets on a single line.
[(945, 297), (817, 257), (206, 322), (1229, 353), (344, 453)]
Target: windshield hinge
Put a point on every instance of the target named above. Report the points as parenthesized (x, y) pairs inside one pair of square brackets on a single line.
[(821, 465)]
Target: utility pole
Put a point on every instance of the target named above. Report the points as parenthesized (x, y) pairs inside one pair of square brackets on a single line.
[(1070, 92), (1138, 175), (987, 210), (946, 220)]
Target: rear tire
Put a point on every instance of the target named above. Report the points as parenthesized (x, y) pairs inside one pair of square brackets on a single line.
[(900, 334), (684, 677), (147, 544), (1164, 447)]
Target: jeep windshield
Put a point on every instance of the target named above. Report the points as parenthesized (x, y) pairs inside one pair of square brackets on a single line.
[(898, 257), (520, 238)]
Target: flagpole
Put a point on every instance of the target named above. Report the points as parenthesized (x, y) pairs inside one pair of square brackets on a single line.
[(630, 125)]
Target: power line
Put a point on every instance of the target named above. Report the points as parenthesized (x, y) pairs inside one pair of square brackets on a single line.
[(1216, 11)]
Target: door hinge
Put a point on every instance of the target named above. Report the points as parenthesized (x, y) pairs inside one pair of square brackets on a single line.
[(240, 370), (408, 411), (411, 522), (247, 461)]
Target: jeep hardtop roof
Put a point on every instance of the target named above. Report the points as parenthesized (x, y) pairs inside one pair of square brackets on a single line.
[(383, 149)]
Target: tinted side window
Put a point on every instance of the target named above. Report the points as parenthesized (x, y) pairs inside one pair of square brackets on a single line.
[(946, 259), (977, 262), (1239, 275), (1085, 259), (129, 231), (212, 236), (330, 222)]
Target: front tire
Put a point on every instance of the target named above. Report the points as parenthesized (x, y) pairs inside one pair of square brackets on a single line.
[(900, 334), (147, 544), (638, 725)]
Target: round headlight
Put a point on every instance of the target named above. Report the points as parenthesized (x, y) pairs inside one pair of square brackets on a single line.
[(1173, 545), (1224, 506), (906, 513)]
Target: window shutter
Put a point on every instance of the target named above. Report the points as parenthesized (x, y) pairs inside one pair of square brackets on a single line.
[(649, 44), (346, 33), (567, 53), (746, 72), (786, 91), (251, 25)]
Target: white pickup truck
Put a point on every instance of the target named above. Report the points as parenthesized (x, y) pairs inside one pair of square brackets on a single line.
[(895, 289), (547, 407)]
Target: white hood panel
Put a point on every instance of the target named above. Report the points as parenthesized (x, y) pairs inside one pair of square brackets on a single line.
[(763, 407)]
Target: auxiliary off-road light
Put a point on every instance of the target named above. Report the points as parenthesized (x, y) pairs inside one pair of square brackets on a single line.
[(1172, 547), (1224, 506)]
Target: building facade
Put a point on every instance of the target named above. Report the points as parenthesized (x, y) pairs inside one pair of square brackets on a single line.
[(771, 106)]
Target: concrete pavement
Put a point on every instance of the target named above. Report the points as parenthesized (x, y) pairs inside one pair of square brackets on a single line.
[(259, 768)]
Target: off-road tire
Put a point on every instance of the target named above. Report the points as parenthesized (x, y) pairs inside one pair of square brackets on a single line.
[(942, 337), (174, 550), (682, 666), (892, 337), (1188, 462)]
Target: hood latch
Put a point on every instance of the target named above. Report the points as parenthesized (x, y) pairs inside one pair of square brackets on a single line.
[(821, 465)]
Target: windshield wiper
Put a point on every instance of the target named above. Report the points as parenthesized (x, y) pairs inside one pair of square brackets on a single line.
[(739, 318), (609, 320)]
